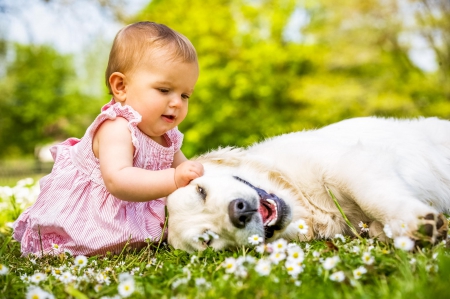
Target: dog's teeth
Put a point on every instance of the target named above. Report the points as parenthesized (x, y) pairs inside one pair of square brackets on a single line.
[(272, 222)]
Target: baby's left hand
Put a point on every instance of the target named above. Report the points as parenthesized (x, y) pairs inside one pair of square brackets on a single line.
[(186, 172)]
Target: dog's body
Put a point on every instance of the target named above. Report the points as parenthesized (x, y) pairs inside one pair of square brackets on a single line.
[(381, 171)]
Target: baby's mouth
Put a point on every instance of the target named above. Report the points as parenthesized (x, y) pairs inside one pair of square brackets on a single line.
[(169, 117)]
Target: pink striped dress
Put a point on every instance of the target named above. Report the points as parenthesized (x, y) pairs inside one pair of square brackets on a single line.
[(75, 211)]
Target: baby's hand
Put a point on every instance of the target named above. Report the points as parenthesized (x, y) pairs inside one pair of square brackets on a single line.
[(186, 172)]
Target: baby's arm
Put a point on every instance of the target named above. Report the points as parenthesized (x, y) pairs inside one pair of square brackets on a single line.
[(114, 149)]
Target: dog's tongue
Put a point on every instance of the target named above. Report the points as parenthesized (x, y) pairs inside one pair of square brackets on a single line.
[(265, 209), (264, 212)]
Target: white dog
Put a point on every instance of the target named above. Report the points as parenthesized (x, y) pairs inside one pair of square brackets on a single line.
[(381, 171)]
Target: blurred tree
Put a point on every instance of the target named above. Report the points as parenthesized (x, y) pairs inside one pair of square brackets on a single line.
[(267, 67), (40, 101), (247, 68), (433, 23), (261, 77)]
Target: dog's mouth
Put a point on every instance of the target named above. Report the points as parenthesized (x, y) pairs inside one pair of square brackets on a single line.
[(275, 213), (268, 211)]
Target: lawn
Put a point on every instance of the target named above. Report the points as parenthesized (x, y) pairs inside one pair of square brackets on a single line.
[(342, 267)]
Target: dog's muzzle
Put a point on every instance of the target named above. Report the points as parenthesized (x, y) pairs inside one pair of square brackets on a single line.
[(274, 211)]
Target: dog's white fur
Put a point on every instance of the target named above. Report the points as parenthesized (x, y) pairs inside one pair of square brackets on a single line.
[(382, 171)]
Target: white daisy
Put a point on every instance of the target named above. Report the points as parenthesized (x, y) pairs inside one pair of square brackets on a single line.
[(66, 277), (177, 282), (340, 237), (356, 249), (194, 259), (367, 258), (56, 272), (432, 268), (230, 265), (293, 268), (55, 246), (296, 253), (358, 272), (263, 267), (261, 248), (255, 240), (89, 271), (25, 278), (35, 292), (301, 226), (364, 227), (241, 272), (387, 231), (279, 245), (101, 277), (330, 262), (38, 277), (337, 276), (126, 288), (3, 269), (404, 243), (276, 257), (80, 261), (201, 282)]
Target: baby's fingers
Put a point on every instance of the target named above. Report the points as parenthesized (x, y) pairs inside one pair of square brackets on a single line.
[(197, 169)]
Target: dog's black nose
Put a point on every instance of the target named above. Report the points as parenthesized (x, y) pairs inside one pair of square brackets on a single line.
[(240, 212)]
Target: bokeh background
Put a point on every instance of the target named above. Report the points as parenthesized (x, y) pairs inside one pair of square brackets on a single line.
[(267, 66)]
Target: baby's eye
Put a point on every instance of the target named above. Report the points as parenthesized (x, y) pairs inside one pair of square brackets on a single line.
[(185, 96), (163, 90)]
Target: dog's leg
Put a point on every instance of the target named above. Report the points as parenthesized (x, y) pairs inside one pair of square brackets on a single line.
[(387, 199)]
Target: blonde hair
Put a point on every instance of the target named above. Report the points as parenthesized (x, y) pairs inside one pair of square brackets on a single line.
[(136, 40)]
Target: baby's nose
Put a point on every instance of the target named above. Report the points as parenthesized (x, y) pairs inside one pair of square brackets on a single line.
[(176, 101)]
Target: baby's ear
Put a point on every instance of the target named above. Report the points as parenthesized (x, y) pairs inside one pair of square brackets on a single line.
[(118, 86)]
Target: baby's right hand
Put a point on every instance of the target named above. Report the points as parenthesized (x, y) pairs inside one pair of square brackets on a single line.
[(186, 172)]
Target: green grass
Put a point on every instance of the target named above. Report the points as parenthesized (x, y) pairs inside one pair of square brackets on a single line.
[(168, 273)]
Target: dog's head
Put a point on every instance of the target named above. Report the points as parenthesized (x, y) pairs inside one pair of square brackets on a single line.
[(223, 212)]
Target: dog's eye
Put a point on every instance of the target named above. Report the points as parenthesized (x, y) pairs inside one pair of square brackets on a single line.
[(201, 191), (207, 243)]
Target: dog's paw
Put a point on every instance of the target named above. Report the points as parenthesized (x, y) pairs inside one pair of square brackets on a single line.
[(432, 229)]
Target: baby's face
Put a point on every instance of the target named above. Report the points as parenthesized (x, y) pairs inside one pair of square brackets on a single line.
[(159, 89)]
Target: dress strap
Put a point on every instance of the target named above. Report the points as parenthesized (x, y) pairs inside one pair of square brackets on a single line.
[(112, 110)]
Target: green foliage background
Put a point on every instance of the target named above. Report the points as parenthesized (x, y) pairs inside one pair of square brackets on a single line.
[(260, 76)]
